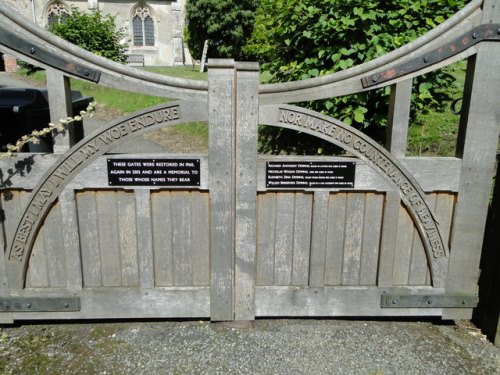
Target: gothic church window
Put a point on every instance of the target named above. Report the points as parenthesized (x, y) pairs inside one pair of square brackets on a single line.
[(56, 11), (143, 27)]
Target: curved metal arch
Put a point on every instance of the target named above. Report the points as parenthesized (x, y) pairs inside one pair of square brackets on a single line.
[(349, 81), (79, 157), (363, 147)]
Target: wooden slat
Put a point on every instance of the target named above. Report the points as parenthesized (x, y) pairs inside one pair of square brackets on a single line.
[(335, 238), (125, 205), (37, 275), (107, 221), (371, 239), (247, 113), (266, 216), (181, 239), (302, 238), (353, 238), (404, 241), (399, 115), (388, 240), (200, 238), (89, 239), (71, 239), (144, 238), (221, 114), (318, 238), (54, 248), (419, 267), (283, 248), (333, 301), (162, 237), (59, 98)]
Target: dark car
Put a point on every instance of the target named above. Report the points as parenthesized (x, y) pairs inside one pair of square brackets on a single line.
[(23, 110)]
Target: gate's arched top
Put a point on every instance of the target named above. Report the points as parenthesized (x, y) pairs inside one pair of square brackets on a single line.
[(78, 158), (349, 81), (358, 144)]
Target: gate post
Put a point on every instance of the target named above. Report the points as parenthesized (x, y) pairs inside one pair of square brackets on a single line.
[(247, 113), (60, 104), (221, 129), (477, 145)]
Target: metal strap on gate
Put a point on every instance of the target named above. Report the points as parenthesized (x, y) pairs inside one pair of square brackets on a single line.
[(40, 304), (478, 34), (428, 301)]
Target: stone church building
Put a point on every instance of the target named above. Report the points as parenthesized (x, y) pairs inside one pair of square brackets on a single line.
[(154, 28)]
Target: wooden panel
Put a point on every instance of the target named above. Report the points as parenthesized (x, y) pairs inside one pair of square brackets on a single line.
[(12, 206), (371, 239), (333, 301), (302, 238), (162, 237), (71, 239), (38, 276), (419, 267), (399, 115), (127, 238), (266, 225), (283, 248), (144, 238), (353, 238), (335, 239), (107, 222), (200, 238), (181, 239), (388, 240), (247, 112), (54, 248), (221, 113), (89, 239), (318, 239), (404, 242)]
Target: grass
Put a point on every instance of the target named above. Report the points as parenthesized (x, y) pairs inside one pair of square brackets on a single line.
[(434, 134)]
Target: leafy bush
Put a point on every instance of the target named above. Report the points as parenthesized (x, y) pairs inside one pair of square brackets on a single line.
[(225, 24), (299, 39), (92, 31)]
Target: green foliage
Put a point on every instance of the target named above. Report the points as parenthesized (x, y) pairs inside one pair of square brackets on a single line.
[(300, 39), (225, 24), (94, 32)]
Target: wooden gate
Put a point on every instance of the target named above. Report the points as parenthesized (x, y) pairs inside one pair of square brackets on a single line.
[(374, 233)]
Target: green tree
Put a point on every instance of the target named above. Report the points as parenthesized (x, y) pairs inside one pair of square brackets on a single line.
[(92, 31), (225, 24), (299, 39)]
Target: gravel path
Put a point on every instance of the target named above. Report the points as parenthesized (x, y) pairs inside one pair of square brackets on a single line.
[(270, 347)]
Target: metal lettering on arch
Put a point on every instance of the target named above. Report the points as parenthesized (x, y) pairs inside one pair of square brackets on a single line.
[(78, 158), (380, 160)]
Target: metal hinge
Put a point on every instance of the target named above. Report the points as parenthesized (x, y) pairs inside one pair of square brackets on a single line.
[(40, 304), (428, 300)]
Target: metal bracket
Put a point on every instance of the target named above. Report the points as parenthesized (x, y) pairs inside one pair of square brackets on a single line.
[(428, 300), (45, 56), (40, 304), (463, 42)]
